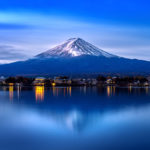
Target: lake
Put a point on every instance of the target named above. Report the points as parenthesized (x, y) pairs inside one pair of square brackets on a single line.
[(74, 118)]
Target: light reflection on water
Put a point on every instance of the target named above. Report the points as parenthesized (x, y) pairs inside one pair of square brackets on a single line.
[(111, 90), (39, 93), (11, 92), (75, 117), (67, 91), (63, 91)]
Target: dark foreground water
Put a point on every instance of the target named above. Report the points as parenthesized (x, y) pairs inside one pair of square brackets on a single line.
[(77, 118)]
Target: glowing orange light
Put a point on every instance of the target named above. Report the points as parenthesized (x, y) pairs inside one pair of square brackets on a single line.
[(70, 90), (39, 93), (11, 84), (53, 84), (108, 90), (11, 92), (54, 90)]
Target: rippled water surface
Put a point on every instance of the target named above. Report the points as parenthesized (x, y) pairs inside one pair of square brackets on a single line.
[(74, 118)]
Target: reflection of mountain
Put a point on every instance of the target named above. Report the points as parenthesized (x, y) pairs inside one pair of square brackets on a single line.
[(74, 120), (78, 108), (79, 120), (91, 118)]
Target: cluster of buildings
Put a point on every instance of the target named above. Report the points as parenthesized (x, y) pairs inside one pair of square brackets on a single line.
[(58, 81), (67, 81)]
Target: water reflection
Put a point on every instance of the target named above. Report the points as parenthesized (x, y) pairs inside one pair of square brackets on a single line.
[(91, 115), (76, 120), (39, 93), (70, 90), (111, 90), (18, 91), (11, 92), (147, 90), (130, 88), (61, 91)]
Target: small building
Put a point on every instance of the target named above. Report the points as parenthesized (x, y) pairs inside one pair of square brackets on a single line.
[(91, 82), (39, 81), (94, 82), (88, 81), (136, 83), (2, 80), (79, 81), (62, 81), (109, 81), (146, 84)]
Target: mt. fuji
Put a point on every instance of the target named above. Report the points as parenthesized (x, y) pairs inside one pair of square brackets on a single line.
[(74, 47), (76, 57)]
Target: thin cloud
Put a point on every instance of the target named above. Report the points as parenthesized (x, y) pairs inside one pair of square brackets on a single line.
[(11, 26), (10, 54)]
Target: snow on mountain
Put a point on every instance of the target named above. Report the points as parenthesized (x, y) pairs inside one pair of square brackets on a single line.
[(95, 61), (74, 47)]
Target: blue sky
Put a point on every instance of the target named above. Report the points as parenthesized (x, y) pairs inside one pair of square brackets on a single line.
[(29, 27)]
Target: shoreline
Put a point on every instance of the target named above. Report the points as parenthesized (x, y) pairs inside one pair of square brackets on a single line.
[(97, 86)]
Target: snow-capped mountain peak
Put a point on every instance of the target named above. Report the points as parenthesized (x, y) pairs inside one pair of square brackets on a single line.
[(74, 47)]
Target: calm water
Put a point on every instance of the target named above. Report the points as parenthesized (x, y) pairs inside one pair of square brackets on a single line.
[(76, 118)]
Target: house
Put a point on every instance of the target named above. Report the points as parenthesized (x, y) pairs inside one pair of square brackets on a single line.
[(39, 81), (91, 82), (2, 80), (146, 84), (94, 82), (79, 81), (109, 81), (136, 83), (62, 81)]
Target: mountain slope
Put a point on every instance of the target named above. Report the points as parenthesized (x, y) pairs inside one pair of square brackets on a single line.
[(77, 66), (72, 48), (76, 57)]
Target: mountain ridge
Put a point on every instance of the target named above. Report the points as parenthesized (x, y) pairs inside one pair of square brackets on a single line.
[(74, 47), (95, 61)]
